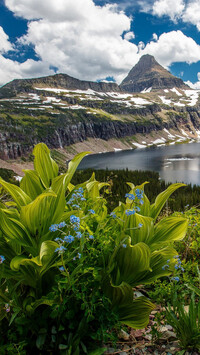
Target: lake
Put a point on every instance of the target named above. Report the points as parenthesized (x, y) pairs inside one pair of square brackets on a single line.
[(175, 163)]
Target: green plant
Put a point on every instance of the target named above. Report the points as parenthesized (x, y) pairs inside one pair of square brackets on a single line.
[(186, 324), (68, 267)]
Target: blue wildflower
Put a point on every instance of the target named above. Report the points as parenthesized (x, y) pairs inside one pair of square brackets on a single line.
[(168, 261), (80, 190), (83, 199), (141, 202), (54, 227), (62, 268), (91, 236), (137, 208), (129, 212), (2, 259), (176, 278), (76, 206), (140, 225), (91, 211), (124, 245), (62, 225), (176, 257), (176, 267), (78, 235), (60, 250), (165, 267), (79, 255), (58, 240), (113, 215), (69, 238), (74, 219), (130, 196)]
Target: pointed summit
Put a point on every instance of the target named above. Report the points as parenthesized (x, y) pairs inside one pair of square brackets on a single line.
[(148, 73)]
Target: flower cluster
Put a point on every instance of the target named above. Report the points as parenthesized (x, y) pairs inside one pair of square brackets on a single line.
[(178, 265), (7, 307), (76, 198), (55, 227), (130, 212), (130, 197)]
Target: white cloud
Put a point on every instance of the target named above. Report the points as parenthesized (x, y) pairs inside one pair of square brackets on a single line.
[(5, 45), (192, 13), (173, 47), (78, 37), (155, 37), (129, 35), (171, 8), (198, 76)]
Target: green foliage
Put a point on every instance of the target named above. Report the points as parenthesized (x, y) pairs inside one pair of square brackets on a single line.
[(70, 267), (186, 324)]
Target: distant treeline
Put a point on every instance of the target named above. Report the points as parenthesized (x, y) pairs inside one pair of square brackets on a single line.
[(184, 197)]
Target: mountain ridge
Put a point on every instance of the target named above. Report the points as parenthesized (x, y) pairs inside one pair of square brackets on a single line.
[(148, 73)]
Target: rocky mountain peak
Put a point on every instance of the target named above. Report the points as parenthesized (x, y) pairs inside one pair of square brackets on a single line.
[(148, 73)]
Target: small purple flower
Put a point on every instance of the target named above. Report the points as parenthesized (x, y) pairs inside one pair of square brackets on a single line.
[(141, 202), (79, 255), (76, 206), (124, 245), (140, 225), (2, 259), (58, 240), (54, 227), (113, 215), (130, 196), (129, 212), (62, 268), (7, 307), (91, 236), (137, 208)]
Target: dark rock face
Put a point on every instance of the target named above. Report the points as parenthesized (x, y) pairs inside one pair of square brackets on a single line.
[(13, 143), (149, 73), (63, 81)]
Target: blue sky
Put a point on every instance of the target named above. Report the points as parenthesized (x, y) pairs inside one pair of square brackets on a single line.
[(97, 39)]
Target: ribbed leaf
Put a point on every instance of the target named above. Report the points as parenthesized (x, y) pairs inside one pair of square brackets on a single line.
[(14, 230), (162, 198), (158, 260), (31, 184), (37, 216), (18, 195), (142, 234), (136, 314), (169, 230), (44, 165), (47, 249), (70, 172), (131, 262), (20, 260)]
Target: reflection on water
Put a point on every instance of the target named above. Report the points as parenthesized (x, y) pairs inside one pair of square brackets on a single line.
[(177, 163)]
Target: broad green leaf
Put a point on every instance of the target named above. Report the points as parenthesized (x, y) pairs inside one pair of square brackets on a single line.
[(158, 260), (162, 198), (37, 216), (137, 234), (14, 230), (168, 230), (130, 262), (47, 249), (31, 184), (45, 166), (18, 195), (19, 260), (136, 313), (70, 172)]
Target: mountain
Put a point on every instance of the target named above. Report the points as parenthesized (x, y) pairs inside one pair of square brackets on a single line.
[(71, 115), (63, 81), (148, 73)]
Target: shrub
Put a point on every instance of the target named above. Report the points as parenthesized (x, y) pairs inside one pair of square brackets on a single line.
[(68, 268)]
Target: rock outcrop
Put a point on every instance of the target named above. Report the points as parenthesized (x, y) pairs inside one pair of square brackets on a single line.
[(148, 73)]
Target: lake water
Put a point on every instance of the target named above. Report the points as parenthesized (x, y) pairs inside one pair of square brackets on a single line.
[(175, 163)]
